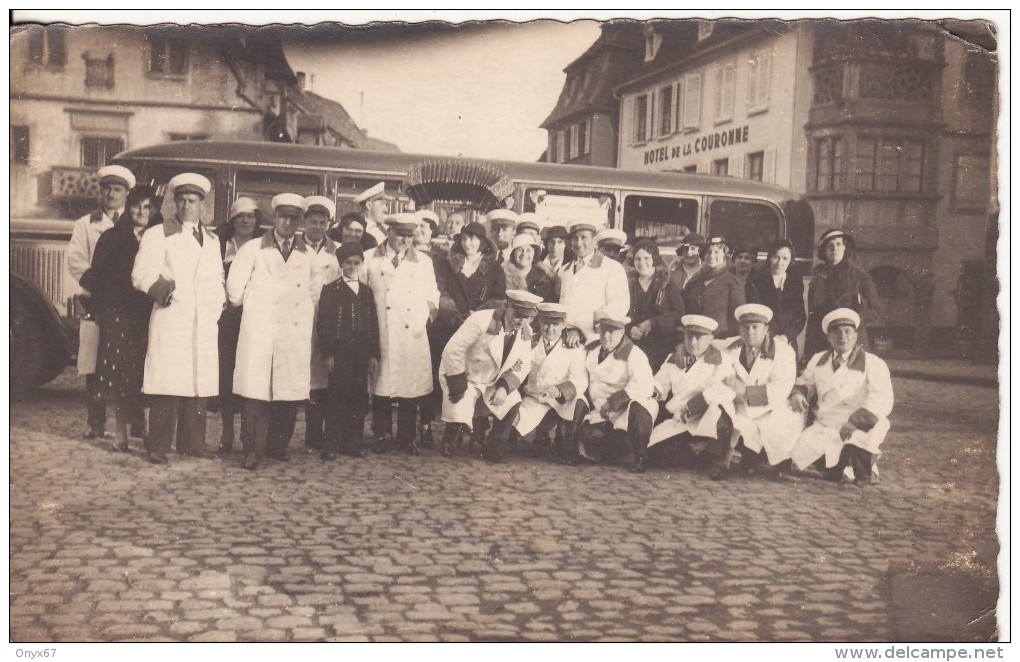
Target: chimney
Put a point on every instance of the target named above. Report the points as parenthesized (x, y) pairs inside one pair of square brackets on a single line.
[(301, 80)]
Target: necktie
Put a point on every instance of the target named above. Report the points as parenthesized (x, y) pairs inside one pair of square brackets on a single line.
[(286, 249), (396, 260), (837, 361), (749, 356), (198, 235), (499, 257), (578, 265), (115, 217)]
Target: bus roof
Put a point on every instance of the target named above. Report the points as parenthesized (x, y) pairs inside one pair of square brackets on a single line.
[(262, 154)]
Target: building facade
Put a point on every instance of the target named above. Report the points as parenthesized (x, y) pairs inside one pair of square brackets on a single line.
[(885, 127), (583, 126), (80, 95)]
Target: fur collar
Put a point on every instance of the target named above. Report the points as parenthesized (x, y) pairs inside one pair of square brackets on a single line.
[(855, 361), (768, 348)]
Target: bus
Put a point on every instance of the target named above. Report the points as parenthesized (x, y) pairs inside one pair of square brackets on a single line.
[(665, 206)]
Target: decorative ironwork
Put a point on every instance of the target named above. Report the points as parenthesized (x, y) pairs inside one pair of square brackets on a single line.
[(483, 186), (896, 83), (72, 183), (828, 85)]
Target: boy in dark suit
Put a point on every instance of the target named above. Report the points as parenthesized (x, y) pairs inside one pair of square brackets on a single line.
[(348, 333)]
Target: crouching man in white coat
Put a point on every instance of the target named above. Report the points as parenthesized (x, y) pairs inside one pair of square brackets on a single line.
[(763, 375), (692, 380), (273, 278), (485, 361), (557, 381), (854, 398), (621, 391)]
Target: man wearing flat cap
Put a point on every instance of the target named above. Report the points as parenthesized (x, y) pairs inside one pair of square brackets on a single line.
[(403, 282), (486, 360), (502, 224), (591, 282), (276, 281), (621, 390), (763, 375), (318, 216), (114, 183), (691, 383), (374, 202), (179, 266), (556, 383), (852, 396)]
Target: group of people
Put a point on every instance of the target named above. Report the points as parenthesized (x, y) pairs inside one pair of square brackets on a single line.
[(564, 333)]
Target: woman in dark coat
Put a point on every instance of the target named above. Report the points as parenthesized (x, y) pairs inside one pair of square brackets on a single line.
[(123, 313), (244, 224), (714, 291), (469, 279), (780, 287), (839, 283), (523, 273), (656, 304)]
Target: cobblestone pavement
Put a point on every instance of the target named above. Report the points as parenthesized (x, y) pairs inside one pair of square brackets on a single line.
[(106, 547)]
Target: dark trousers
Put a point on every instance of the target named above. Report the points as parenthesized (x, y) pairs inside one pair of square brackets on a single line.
[(717, 451), (187, 415), (639, 428), (315, 417), (858, 459), (267, 426), (495, 444), (95, 408), (382, 417)]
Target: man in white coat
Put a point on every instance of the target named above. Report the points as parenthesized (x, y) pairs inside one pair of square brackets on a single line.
[(274, 279), (854, 398), (114, 183), (374, 202), (557, 381), (403, 283), (591, 282), (621, 392), (691, 382), (179, 265), (763, 375), (485, 362), (502, 228), (319, 215)]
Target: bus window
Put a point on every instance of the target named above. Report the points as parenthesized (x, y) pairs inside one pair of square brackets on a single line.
[(157, 178), (348, 188), (262, 185), (667, 220), (744, 224), (800, 228), (560, 207)]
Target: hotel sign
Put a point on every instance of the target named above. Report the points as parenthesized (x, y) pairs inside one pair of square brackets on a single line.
[(705, 143)]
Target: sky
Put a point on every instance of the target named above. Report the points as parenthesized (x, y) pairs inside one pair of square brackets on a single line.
[(480, 94)]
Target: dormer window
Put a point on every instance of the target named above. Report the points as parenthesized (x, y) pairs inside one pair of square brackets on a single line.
[(652, 42), (704, 30)]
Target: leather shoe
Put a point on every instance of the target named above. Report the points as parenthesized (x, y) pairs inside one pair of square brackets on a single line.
[(120, 448), (413, 448), (282, 456), (356, 451), (328, 456), (156, 458), (201, 454), (250, 462), (639, 466), (717, 473), (864, 480), (382, 445), (425, 433)]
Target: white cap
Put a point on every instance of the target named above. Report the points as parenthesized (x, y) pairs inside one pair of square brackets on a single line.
[(525, 240), (498, 217), (241, 206), (611, 236), (577, 226), (289, 200), (189, 182), (753, 312), (117, 174), (523, 300), (529, 220), (402, 224), (425, 215), (841, 316), (700, 323), (611, 318), (377, 191), (321, 201)]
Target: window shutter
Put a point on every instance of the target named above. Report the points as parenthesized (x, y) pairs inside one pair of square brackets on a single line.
[(737, 166), (768, 174), (692, 102), (652, 100), (36, 46)]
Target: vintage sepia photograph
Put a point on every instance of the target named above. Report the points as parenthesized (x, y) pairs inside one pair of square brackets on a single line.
[(551, 327)]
